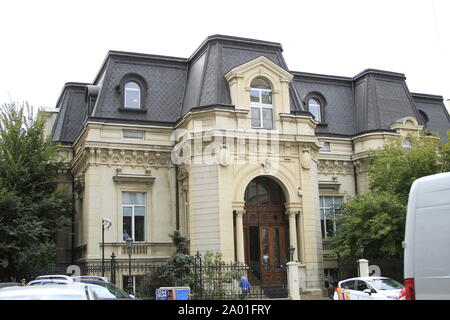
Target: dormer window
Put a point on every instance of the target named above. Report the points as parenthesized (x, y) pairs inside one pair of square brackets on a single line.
[(132, 95), (261, 104), (314, 109)]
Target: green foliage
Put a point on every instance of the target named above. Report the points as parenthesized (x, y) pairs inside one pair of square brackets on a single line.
[(32, 207), (176, 272), (218, 279), (394, 168), (376, 219)]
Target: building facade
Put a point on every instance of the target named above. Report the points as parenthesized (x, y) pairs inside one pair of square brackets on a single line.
[(229, 146)]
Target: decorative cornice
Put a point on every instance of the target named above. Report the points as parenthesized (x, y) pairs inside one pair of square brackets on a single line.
[(335, 167)]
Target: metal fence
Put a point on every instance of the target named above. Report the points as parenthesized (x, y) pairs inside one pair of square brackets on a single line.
[(391, 268), (207, 281)]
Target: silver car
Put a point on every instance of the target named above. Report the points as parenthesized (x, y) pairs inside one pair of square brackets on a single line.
[(73, 291)]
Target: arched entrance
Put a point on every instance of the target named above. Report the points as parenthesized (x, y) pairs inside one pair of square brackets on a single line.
[(266, 231)]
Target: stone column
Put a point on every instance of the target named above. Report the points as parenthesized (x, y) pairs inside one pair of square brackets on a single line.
[(293, 232), (240, 236)]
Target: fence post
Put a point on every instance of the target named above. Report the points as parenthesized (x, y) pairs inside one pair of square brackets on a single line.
[(293, 281), (363, 267), (113, 268)]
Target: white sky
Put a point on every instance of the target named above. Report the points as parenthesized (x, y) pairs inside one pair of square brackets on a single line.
[(45, 44)]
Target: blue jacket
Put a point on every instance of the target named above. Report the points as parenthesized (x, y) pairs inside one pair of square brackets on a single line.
[(244, 284)]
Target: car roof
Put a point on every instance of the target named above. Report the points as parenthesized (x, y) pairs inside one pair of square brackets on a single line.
[(72, 287), (364, 278)]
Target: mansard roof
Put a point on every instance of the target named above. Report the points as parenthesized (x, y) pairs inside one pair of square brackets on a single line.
[(371, 100)]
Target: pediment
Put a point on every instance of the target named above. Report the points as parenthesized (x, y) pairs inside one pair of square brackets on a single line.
[(262, 66)]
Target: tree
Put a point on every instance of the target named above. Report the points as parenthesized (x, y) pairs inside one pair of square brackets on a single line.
[(373, 219), (32, 206), (376, 219)]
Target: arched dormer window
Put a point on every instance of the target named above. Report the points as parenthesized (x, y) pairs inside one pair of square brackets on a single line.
[(314, 108), (132, 95), (261, 104)]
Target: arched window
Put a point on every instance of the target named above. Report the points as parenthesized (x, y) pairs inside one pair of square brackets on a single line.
[(261, 104), (132, 95), (314, 109)]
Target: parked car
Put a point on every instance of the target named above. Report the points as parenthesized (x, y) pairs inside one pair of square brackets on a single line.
[(103, 288), (10, 284), (426, 253), (106, 290), (368, 288), (72, 291), (48, 282)]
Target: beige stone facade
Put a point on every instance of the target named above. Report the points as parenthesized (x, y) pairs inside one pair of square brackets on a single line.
[(193, 176)]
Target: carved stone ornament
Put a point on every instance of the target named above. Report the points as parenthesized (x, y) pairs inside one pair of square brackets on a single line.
[(305, 159)]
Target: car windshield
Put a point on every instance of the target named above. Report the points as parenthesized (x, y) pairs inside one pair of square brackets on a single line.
[(108, 291), (386, 284)]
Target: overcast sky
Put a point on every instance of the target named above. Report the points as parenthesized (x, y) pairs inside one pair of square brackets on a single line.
[(48, 43)]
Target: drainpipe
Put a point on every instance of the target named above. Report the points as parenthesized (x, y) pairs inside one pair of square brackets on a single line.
[(177, 202)]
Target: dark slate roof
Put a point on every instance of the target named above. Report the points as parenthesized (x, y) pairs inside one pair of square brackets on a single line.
[(372, 100), (434, 109), (72, 113)]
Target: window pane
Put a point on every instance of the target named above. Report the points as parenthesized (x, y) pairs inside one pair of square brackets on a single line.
[(132, 95), (126, 227), (132, 85), (314, 108), (133, 198), (260, 83), (251, 193), (139, 228), (267, 118), (263, 195), (328, 202), (133, 134), (266, 97), (256, 118), (265, 245), (139, 211), (276, 243), (338, 201), (254, 96)]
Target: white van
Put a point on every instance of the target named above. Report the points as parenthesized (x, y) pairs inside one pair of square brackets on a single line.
[(427, 239)]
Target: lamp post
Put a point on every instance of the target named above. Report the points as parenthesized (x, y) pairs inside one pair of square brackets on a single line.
[(106, 224), (130, 250), (291, 253), (361, 250)]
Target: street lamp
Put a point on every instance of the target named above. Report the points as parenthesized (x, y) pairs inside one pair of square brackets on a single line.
[(106, 224), (361, 250), (130, 251), (291, 253)]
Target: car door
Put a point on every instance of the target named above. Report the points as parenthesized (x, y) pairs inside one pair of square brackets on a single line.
[(348, 290), (361, 285)]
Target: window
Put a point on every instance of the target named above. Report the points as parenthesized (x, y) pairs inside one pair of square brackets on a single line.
[(325, 147), (361, 285), (314, 108), (261, 104), (133, 134), (406, 143), (133, 212), (329, 207), (132, 95)]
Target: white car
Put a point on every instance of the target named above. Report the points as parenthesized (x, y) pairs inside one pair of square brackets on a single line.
[(74, 291), (369, 288)]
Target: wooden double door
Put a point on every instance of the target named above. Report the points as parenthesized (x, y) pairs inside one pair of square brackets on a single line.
[(266, 234)]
